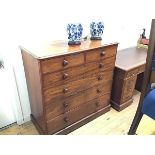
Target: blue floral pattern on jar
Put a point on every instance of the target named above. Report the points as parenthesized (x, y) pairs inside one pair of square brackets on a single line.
[(96, 30), (74, 33)]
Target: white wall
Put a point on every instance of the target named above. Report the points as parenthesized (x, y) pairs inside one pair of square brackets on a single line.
[(25, 21)]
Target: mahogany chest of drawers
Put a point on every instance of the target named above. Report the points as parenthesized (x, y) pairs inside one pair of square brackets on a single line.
[(68, 86)]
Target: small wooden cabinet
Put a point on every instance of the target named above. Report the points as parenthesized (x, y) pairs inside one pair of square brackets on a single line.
[(68, 85), (130, 63), (122, 90)]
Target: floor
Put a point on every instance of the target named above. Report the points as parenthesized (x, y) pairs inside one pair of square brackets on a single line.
[(111, 123)]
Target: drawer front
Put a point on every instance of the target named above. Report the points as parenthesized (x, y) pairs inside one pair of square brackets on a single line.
[(72, 74), (76, 86), (128, 88), (71, 117), (102, 65), (60, 63), (59, 106), (133, 72), (103, 101), (59, 78), (101, 53)]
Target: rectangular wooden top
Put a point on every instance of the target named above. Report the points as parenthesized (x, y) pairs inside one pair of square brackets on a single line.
[(130, 58), (57, 48)]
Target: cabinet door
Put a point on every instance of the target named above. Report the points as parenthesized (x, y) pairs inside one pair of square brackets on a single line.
[(129, 86)]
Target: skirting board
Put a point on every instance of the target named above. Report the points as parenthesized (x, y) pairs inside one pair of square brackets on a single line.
[(22, 121)]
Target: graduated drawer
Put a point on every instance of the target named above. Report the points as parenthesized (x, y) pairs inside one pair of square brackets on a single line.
[(59, 106), (76, 86), (73, 116), (101, 53), (103, 101), (61, 77), (62, 62), (71, 74)]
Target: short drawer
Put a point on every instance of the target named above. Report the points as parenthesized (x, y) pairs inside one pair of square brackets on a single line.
[(133, 72), (100, 66), (76, 86), (101, 53), (62, 62), (59, 106), (71, 117)]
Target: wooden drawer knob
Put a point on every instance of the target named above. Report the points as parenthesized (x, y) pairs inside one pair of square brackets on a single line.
[(101, 65), (65, 104), (65, 90), (99, 90), (65, 62), (66, 119), (65, 76), (103, 53), (100, 78)]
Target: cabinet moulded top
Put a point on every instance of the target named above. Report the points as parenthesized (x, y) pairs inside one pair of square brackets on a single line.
[(58, 48)]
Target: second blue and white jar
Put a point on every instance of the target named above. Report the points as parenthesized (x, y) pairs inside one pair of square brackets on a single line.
[(74, 33), (96, 30)]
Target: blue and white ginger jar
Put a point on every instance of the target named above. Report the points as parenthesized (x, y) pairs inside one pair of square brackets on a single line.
[(96, 30), (74, 33)]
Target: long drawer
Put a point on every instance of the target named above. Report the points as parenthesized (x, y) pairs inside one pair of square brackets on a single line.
[(72, 74), (76, 86), (71, 117), (58, 106)]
